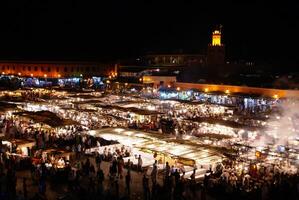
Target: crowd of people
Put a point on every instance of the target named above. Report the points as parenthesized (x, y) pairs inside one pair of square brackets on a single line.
[(254, 182)]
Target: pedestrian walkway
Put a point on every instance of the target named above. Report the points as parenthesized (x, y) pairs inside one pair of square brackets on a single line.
[(57, 190)]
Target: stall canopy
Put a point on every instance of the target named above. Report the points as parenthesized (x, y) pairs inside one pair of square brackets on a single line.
[(92, 101), (83, 96), (47, 117), (4, 106), (23, 143), (131, 109), (150, 142), (223, 122)]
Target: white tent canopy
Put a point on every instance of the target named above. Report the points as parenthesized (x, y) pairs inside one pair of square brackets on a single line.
[(142, 140)]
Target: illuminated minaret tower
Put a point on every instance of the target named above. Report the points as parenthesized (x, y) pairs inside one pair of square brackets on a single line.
[(216, 50), (216, 38)]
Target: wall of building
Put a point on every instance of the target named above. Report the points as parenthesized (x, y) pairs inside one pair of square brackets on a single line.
[(216, 55), (276, 93), (55, 70), (176, 59), (156, 80)]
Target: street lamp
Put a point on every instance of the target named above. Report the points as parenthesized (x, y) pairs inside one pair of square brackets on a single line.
[(45, 75)]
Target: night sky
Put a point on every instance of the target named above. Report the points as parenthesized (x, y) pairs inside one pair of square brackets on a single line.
[(84, 30)]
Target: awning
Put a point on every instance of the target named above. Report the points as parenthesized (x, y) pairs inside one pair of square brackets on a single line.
[(47, 117)]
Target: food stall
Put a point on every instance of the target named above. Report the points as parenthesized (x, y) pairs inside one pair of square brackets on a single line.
[(153, 147), (56, 158), (20, 147)]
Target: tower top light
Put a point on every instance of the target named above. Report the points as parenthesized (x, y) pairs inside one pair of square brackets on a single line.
[(216, 38)]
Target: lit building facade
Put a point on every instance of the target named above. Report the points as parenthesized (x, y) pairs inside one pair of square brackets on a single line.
[(159, 80), (169, 60), (55, 69)]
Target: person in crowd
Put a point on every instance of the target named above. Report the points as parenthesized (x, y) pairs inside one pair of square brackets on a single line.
[(167, 170), (120, 166), (114, 166), (172, 170), (98, 159), (139, 165), (92, 172), (128, 182), (154, 174), (128, 164), (87, 167), (192, 177), (177, 176)]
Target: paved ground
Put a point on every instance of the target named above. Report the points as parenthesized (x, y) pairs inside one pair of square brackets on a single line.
[(57, 190)]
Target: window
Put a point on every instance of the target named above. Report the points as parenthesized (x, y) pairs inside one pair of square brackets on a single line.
[(29, 68), (8, 67), (24, 68), (13, 67), (49, 69), (78, 69), (3, 67), (42, 69), (57, 69), (87, 69), (35, 68), (65, 69), (72, 69)]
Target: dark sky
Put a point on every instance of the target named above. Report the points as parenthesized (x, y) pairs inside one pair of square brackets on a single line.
[(85, 30)]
